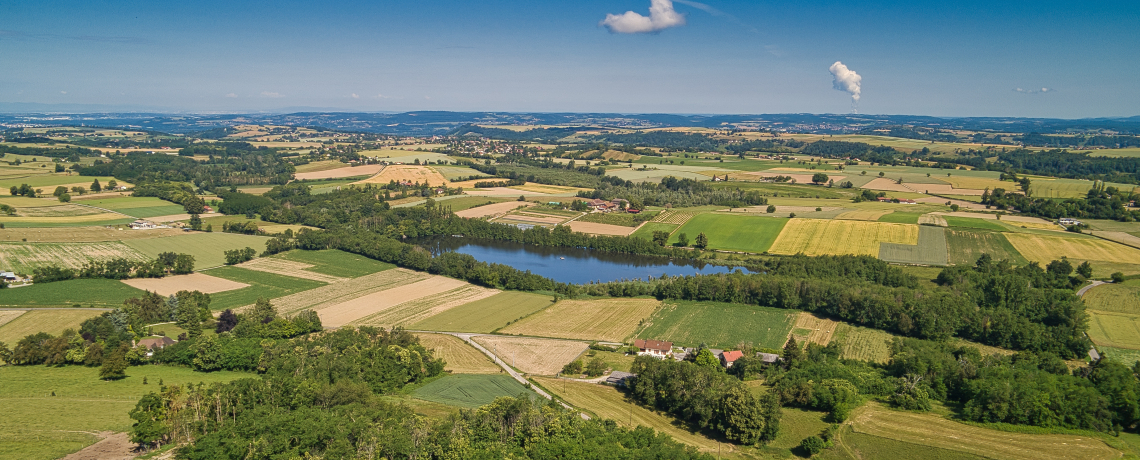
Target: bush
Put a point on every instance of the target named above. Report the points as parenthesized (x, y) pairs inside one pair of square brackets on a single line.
[(813, 445), (1117, 277), (572, 368)]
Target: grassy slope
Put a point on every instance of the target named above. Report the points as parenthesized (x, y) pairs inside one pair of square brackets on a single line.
[(719, 324), (87, 292), (466, 390), (1120, 298), (486, 315), (930, 250), (207, 248), (261, 284), (733, 232), (966, 246), (37, 425)]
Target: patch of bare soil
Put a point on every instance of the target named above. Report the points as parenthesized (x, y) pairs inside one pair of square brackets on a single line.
[(192, 282), (113, 446)]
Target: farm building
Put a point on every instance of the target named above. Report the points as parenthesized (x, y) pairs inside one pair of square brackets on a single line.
[(618, 378), (8, 276), (654, 348), (142, 225), (729, 357), (1067, 221), (154, 342)]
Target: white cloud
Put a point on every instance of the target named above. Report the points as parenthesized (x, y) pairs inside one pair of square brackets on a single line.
[(381, 96), (661, 16), (231, 95), (1034, 91), (354, 96), (846, 80), (63, 92), (269, 94)]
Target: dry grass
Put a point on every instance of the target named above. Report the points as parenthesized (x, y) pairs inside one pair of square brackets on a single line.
[(288, 268), (6, 316), (410, 173), (1044, 249), (369, 305), (534, 218), (670, 216), (492, 209), (935, 431), (533, 356), (425, 307), (547, 189), (977, 183), (336, 293), (815, 237), (864, 344), (889, 185), (1119, 237), (53, 321), (346, 171), (869, 216), (81, 234), (932, 219), (318, 166), (604, 319), (1118, 330), (98, 217), (601, 229), (811, 328), (24, 256), (57, 211), (461, 358), (960, 203), (192, 282)]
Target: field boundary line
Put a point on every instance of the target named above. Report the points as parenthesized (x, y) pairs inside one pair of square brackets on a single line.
[(105, 209)]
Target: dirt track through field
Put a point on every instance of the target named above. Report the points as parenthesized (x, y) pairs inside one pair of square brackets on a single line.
[(193, 282), (340, 314), (112, 446), (288, 268), (337, 293), (533, 356), (422, 308)]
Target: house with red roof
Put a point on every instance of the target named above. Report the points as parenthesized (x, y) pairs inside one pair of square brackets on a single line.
[(729, 357)]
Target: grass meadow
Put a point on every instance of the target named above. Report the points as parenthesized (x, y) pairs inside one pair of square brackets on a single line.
[(486, 315), (207, 248), (972, 223), (647, 229), (1117, 330), (733, 232), (334, 262), (603, 319), (102, 293), (466, 390), (37, 425), (143, 207), (965, 246), (1116, 298), (52, 321), (862, 343), (261, 284), (901, 217), (720, 325), (930, 250)]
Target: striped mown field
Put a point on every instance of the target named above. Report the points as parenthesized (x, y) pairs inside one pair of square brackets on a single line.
[(816, 237)]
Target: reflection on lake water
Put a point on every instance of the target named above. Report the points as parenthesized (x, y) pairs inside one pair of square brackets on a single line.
[(570, 265)]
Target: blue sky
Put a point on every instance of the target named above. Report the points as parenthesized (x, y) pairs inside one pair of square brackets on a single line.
[(963, 58)]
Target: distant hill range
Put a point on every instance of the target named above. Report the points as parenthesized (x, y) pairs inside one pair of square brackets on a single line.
[(438, 123)]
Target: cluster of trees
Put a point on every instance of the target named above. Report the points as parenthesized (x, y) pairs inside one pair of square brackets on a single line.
[(237, 256), (535, 135), (118, 268), (175, 192), (1057, 163), (1101, 202), (233, 164), (670, 140), (706, 397), (673, 191), (841, 149), (236, 202), (244, 228), (1079, 140)]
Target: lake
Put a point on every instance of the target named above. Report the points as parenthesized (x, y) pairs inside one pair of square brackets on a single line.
[(571, 265)]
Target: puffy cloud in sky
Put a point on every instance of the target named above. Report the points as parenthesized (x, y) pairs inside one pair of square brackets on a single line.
[(1033, 91), (846, 80), (661, 16)]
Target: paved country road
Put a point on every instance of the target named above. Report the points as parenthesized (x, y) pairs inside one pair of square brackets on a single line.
[(1081, 293)]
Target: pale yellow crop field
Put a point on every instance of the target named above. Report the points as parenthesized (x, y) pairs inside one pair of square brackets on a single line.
[(532, 356), (420, 174), (1044, 249), (815, 237), (460, 357), (603, 319), (21, 257)]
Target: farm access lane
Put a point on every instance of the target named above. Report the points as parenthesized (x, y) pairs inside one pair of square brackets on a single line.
[(466, 337), (1081, 293)]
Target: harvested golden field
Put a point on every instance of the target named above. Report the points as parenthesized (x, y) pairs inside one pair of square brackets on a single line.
[(815, 237), (889, 185), (961, 204), (1119, 237), (81, 234), (620, 156), (977, 183), (1044, 249), (488, 314), (369, 305), (943, 189), (409, 173), (419, 309), (21, 257), (50, 320), (460, 357), (936, 431), (608, 403), (603, 319), (536, 219), (192, 282), (492, 209), (332, 294), (812, 328), (288, 268), (344, 171), (594, 228), (868, 215), (6, 316), (533, 356), (97, 217)]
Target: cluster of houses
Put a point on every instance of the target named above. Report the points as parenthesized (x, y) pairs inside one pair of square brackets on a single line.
[(662, 350), (611, 205), (884, 199)]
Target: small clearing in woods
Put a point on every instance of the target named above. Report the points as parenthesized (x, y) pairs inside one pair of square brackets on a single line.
[(343, 313), (492, 209), (460, 357), (812, 328), (533, 356), (425, 307), (606, 319), (288, 268), (193, 282)]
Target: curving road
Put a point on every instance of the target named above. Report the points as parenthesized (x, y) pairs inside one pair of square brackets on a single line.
[(1081, 293)]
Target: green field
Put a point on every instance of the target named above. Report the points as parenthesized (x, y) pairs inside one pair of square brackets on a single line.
[(1117, 330), (336, 263), (733, 232), (1067, 188), (87, 292), (862, 445), (720, 325), (52, 222), (862, 343), (48, 182), (646, 231), (930, 250), (1123, 355), (467, 202), (486, 315), (142, 207), (470, 390), (797, 424), (37, 425), (966, 246), (261, 284), (52, 321), (978, 224), (1118, 298), (207, 248), (901, 217)]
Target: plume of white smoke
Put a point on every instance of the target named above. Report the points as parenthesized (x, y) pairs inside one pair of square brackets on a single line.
[(661, 16), (846, 80)]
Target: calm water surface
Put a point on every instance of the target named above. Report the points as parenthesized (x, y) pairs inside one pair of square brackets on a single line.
[(569, 265)]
